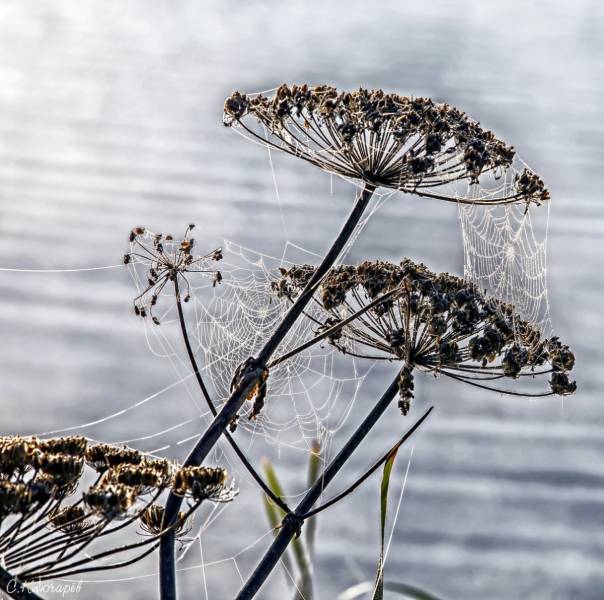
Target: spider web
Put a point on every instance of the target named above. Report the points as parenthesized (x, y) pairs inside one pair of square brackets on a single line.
[(231, 321), (505, 245), (505, 252)]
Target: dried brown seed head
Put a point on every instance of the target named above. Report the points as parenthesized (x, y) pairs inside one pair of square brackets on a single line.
[(410, 144)]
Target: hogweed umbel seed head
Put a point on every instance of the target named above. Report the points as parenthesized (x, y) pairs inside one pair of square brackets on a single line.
[(73, 519), (151, 522), (433, 322), (166, 260), (74, 445), (62, 470), (111, 501), (17, 454), (15, 498), (145, 477), (414, 145), (105, 456), (36, 477), (203, 483)]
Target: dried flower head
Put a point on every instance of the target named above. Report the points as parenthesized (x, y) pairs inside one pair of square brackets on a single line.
[(104, 456), (36, 476), (74, 445), (203, 483), (17, 454), (151, 520), (111, 500), (166, 260), (15, 498), (72, 520), (410, 144), (61, 470), (147, 476), (432, 322)]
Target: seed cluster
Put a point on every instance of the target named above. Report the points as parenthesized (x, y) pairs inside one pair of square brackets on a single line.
[(410, 144), (151, 521), (38, 475), (72, 519), (203, 483), (166, 261), (431, 322)]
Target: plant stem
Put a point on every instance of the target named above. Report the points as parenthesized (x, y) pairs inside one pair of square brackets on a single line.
[(359, 481), (334, 329), (289, 526), (246, 384), (14, 588), (183, 327)]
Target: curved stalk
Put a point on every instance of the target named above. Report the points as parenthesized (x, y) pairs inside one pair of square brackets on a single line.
[(359, 481), (248, 380), (204, 390), (291, 526)]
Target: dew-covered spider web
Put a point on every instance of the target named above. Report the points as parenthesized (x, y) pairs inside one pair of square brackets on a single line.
[(309, 394), (504, 239), (505, 252)]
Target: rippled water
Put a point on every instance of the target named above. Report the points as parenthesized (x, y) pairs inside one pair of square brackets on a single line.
[(110, 117)]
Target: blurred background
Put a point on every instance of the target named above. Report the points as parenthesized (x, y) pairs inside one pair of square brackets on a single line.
[(110, 117)]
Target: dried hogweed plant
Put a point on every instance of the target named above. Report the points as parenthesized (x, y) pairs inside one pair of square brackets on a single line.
[(435, 323), (167, 261), (63, 502), (61, 498), (413, 145)]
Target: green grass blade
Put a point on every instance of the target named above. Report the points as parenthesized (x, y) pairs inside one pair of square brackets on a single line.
[(314, 466), (404, 590), (378, 593), (274, 520)]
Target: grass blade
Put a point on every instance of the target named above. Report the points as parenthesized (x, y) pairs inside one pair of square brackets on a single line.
[(314, 466), (274, 519), (404, 590), (378, 593)]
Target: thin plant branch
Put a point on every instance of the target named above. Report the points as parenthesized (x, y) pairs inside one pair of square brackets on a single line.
[(292, 523), (249, 379), (369, 471), (204, 390)]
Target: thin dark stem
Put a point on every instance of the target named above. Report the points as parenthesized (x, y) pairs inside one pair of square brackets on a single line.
[(183, 327), (290, 526), (493, 389), (332, 330), (119, 565), (15, 588), (247, 382), (369, 472), (296, 309)]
